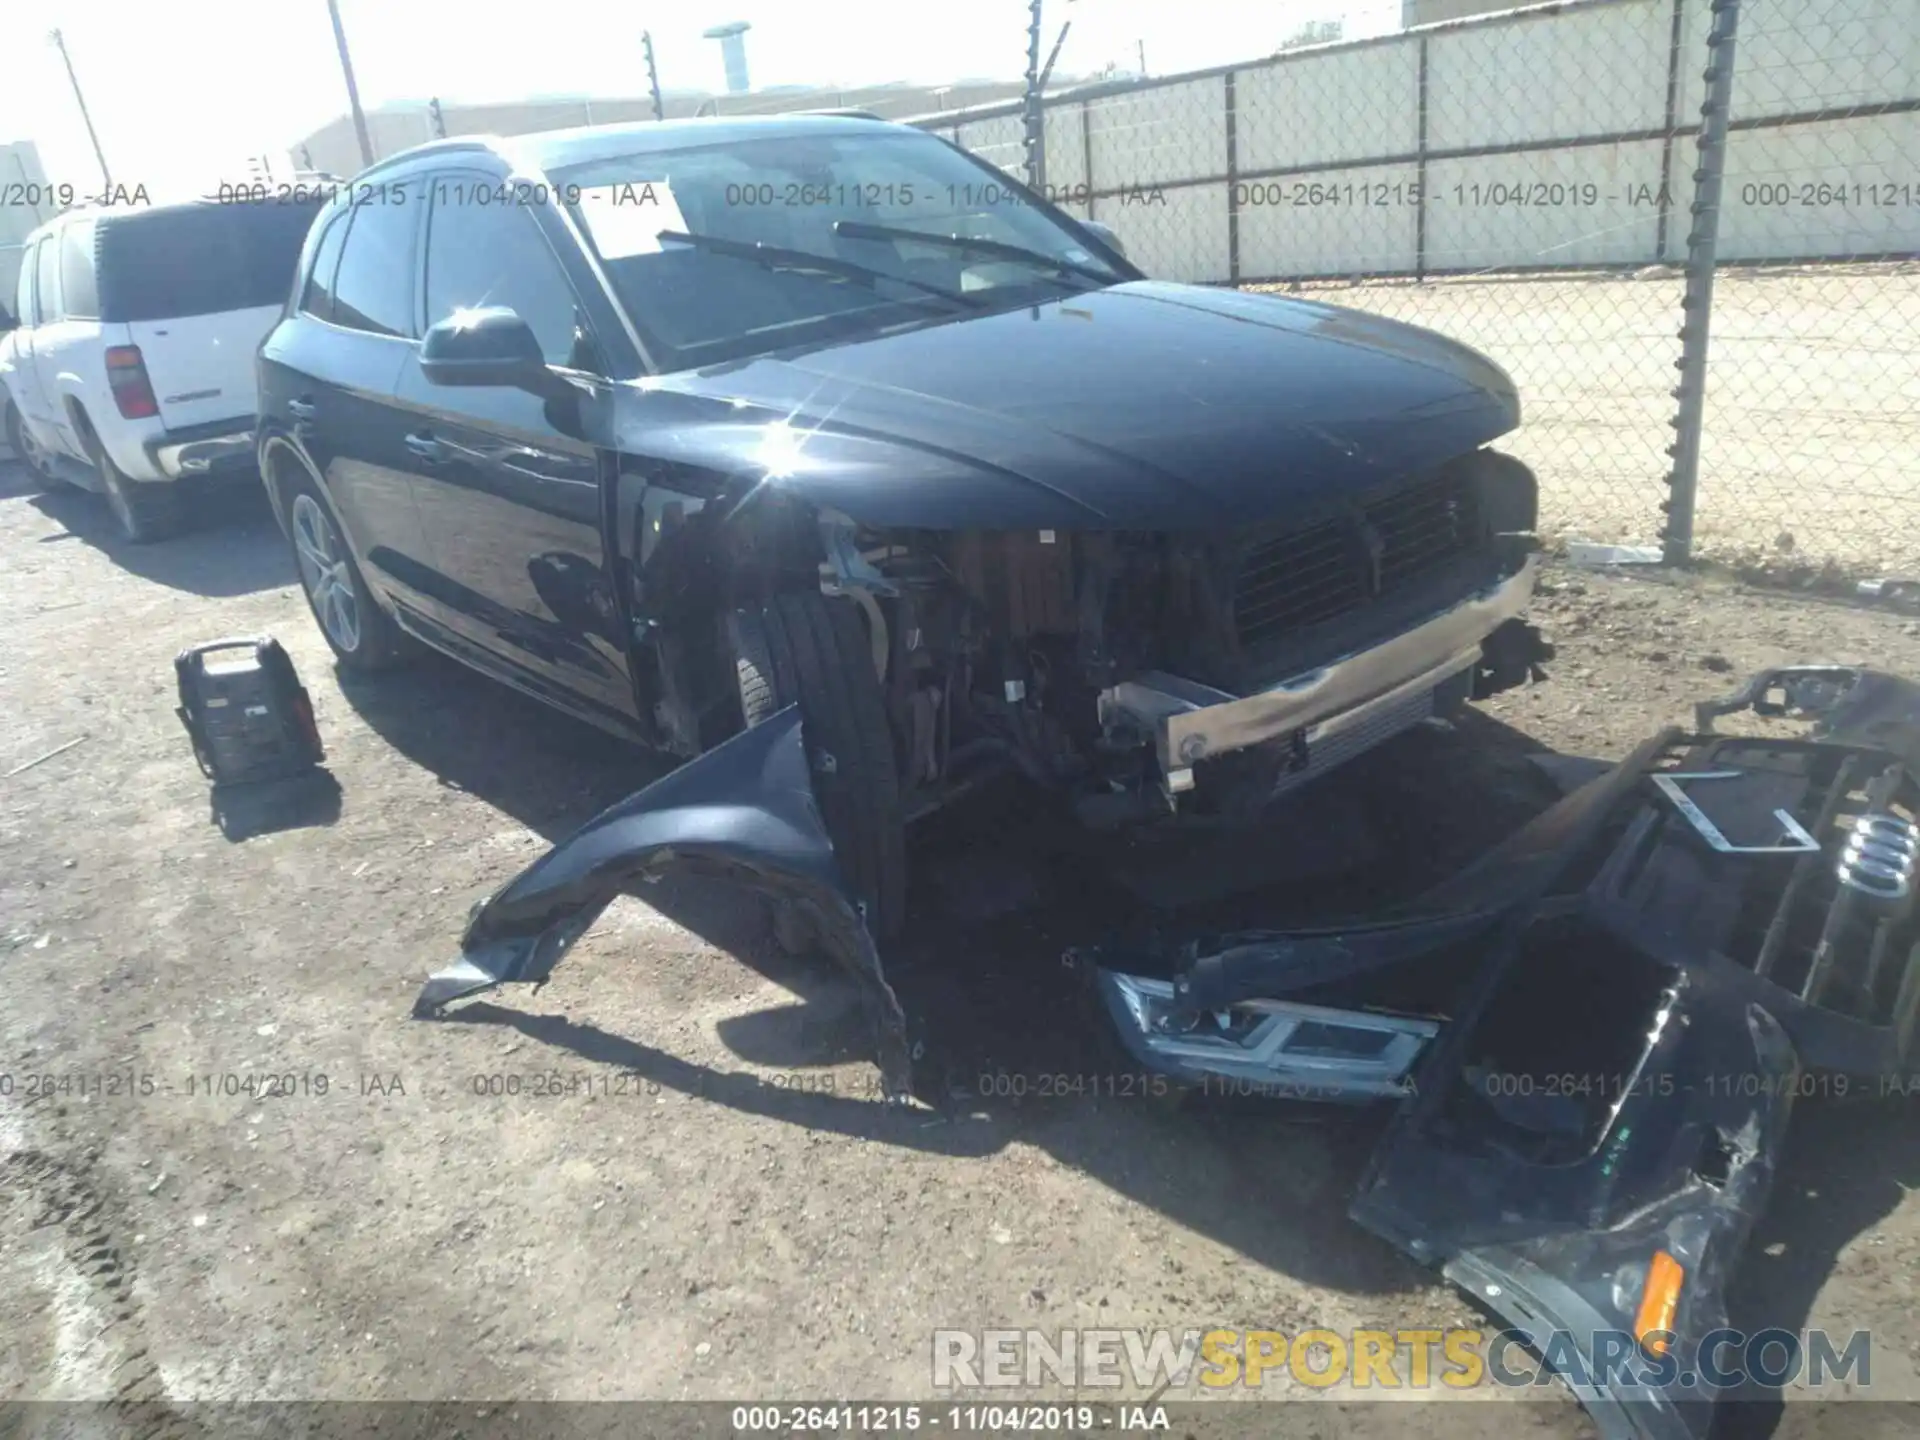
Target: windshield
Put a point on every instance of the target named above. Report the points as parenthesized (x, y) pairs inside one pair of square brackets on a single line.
[(821, 195)]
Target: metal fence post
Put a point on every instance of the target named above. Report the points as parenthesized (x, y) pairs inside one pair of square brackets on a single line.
[(1233, 182), (1086, 152), (1033, 118), (653, 76), (1420, 172), (1676, 47), (1696, 304)]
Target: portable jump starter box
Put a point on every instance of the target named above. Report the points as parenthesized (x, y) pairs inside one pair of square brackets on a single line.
[(246, 712)]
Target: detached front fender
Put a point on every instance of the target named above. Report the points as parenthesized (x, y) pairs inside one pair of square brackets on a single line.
[(744, 811)]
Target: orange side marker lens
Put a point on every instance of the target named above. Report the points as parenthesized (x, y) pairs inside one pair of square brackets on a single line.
[(1659, 1301)]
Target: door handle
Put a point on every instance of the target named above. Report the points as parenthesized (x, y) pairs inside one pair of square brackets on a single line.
[(429, 449), (301, 409)]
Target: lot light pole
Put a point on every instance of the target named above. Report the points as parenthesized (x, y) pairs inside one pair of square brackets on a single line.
[(60, 43), (353, 90)]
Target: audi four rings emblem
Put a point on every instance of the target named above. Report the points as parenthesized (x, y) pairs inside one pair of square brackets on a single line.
[(1879, 857)]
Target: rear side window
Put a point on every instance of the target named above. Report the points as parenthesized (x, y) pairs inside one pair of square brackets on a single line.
[(80, 297), (199, 259), (316, 296), (23, 308), (373, 289), (47, 264)]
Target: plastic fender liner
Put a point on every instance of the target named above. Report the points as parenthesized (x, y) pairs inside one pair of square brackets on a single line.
[(743, 811)]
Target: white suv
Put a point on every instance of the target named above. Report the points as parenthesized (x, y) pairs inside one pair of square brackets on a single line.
[(130, 365)]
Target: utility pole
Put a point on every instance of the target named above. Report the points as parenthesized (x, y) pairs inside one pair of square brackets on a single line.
[(1046, 72), (353, 90), (106, 179), (1143, 58), (653, 75)]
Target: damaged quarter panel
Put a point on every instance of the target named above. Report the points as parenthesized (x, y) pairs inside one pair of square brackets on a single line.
[(744, 811)]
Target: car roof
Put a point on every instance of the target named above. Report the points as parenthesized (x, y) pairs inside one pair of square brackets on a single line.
[(545, 151), (127, 214)]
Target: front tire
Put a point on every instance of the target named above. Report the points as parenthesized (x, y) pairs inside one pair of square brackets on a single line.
[(362, 636), (813, 651), (145, 511)]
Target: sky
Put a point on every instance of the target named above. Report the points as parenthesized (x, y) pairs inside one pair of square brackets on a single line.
[(183, 91)]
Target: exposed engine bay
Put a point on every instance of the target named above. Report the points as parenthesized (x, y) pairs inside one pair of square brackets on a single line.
[(1144, 672)]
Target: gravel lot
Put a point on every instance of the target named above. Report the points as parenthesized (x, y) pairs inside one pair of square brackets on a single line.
[(745, 1221), (1813, 408)]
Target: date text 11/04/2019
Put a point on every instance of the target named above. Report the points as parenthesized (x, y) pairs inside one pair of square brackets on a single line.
[(197, 1084), (1749, 1084), (1002, 1419), (1875, 194), (1492, 194), (1004, 1084)]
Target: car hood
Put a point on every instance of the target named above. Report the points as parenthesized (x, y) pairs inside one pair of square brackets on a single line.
[(1142, 406)]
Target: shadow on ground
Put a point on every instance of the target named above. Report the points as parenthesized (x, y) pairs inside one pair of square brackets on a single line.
[(1847, 1166), (231, 545), (267, 807)]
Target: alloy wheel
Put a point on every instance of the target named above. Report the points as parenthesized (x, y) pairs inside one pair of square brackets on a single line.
[(326, 573)]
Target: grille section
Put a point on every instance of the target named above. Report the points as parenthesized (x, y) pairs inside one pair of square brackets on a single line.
[(1788, 918), (1830, 953), (1380, 548)]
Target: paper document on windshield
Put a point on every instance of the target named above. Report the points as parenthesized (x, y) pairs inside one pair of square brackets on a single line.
[(627, 219)]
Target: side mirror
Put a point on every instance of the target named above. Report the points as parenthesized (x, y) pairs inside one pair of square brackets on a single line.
[(1105, 234), (489, 346), (7, 322)]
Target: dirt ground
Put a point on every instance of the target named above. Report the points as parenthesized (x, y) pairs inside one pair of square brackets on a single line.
[(727, 1211)]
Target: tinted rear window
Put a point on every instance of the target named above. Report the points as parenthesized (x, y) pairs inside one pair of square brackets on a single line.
[(199, 259)]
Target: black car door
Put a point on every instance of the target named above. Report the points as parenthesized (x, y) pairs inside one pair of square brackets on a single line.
[(511, 504), (329, 373)]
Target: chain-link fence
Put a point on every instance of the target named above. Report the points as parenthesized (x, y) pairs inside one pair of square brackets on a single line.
[(1539, 184), (1812, 433)]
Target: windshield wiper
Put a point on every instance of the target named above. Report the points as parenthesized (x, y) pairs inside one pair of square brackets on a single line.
[(861, 230), (778, 257)]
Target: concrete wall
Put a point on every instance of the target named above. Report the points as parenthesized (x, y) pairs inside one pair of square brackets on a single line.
[(24, 203), (1557, 136), (334, 149), (1429, 12)]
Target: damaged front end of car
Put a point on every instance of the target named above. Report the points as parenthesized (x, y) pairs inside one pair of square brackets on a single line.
[(1595, 1032)]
